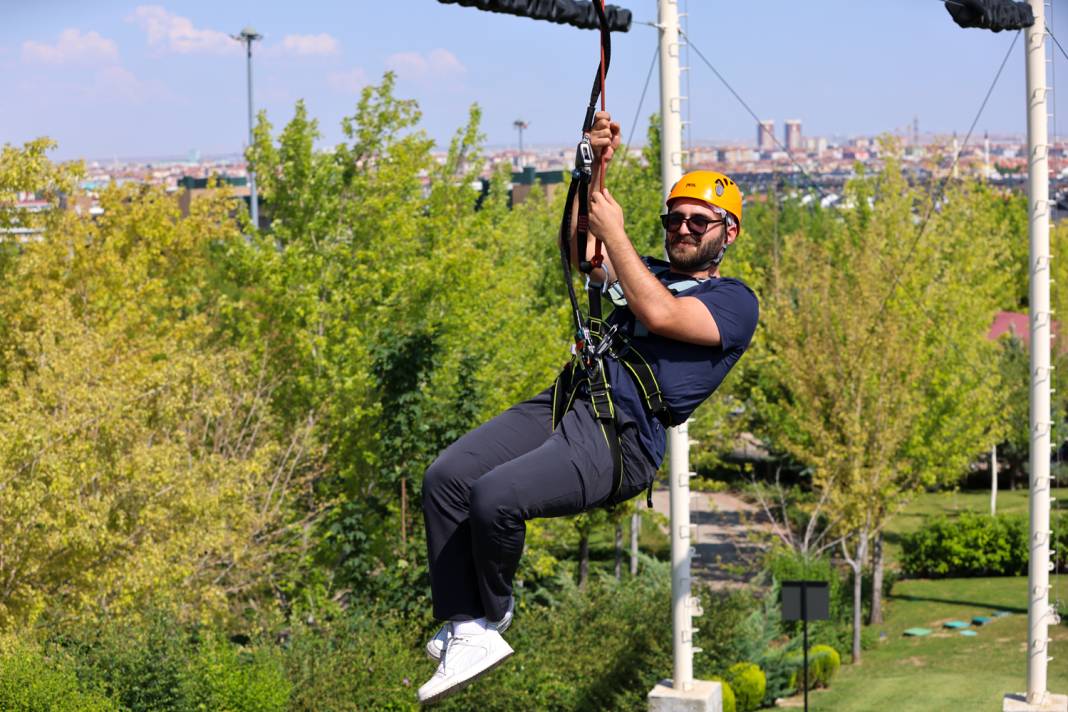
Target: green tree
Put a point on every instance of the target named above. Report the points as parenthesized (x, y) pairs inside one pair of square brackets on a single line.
[(137, 461), (405, 309), (879, 372)]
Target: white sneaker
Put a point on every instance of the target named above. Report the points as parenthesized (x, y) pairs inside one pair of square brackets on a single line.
[(466, 658), (435, 645)]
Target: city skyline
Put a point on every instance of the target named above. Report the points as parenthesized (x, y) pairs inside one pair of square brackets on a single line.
[(127, 79)]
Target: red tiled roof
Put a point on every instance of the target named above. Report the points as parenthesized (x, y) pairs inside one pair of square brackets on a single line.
[(1018, 325)]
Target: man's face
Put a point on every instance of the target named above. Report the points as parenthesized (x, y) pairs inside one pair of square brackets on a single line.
[(691, 252)]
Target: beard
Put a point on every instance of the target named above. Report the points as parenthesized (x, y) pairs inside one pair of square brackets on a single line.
[(706, 256)]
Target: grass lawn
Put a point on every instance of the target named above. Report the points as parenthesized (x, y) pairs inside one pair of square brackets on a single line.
[(931, 504), (945, 670)]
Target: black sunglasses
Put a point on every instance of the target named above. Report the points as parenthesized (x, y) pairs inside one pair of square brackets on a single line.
[(698, 224)]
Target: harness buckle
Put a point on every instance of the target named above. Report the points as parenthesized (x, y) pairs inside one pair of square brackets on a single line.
[(606, 342), (584, 157)]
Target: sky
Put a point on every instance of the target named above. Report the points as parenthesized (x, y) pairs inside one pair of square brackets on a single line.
[(125, 79)]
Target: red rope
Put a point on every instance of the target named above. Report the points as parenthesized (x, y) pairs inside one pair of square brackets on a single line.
[(598, 259), (603, 90)]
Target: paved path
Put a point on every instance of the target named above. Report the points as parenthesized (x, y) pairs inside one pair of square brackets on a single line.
[(724, 554)]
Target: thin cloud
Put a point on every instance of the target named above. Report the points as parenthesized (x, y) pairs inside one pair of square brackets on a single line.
[(174, 33), (310, 45), (72, 46), (437, 64), (120, 83), (350, 81)]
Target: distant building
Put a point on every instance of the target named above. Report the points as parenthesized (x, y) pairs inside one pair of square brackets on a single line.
[(766, 135), (524, 181), (792, 135), (190, 188)]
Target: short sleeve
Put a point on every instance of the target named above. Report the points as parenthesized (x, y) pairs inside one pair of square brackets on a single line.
[(736, 311)]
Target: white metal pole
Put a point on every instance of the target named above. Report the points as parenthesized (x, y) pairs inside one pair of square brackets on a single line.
[(678, 441), (1038, 608), (994, 480)]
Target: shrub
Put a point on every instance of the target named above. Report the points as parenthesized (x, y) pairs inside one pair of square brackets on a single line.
[(785, 564), (220, 677), (603, 648), (780, 666), (156, 664), (140, 661), (749, 685), (970, 545), (737, 629), (823, 664), (32, 682), (729, 703)]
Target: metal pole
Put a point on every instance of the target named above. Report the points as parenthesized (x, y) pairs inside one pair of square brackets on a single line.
[(635, 528), (254, 207), (682, 603), (247, 36), (1038, 608), (804, 645), (994, 481)]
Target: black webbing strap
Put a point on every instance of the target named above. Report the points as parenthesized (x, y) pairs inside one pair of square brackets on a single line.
[(591, 341)]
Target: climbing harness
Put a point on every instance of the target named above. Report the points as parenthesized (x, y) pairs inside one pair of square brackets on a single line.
[(595, 339), (592, 339)]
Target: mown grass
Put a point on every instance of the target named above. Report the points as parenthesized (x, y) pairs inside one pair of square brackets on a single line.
[(945, 670)]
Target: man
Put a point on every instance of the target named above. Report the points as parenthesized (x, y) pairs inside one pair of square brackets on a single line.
[(533, 461)]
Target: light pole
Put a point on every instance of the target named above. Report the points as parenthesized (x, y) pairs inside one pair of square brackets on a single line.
[(248, 36), (519, 125)]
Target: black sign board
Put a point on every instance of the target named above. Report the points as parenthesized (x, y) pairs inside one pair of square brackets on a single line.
[(805, 601)]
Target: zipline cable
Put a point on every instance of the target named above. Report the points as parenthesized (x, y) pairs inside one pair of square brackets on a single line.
[(942, 186), (638, 111), (690, 44), (964, 359), (937, 198)]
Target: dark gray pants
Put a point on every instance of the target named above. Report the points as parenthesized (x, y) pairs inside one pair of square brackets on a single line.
[(479, 493)]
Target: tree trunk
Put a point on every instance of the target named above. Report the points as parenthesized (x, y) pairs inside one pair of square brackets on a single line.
[(619, 550), (635, 527), (858, 600), (404, 513), (877, 581), (994, 481), (584, 559)]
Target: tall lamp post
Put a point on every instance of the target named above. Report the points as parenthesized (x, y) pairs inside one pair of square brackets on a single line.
[(248, 36), (519, 125)]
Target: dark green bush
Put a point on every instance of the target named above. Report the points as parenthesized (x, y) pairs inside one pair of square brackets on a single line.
[(970, 545), (734, 627), (749, 684), (785, 564), (30, 681), (156, 664), (780, 666), (139, 661)]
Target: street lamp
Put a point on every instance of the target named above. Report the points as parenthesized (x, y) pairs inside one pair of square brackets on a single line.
[(248, 36), (520, 124)]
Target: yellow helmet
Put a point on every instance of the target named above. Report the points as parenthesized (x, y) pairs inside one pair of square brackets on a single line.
[(710, 187)]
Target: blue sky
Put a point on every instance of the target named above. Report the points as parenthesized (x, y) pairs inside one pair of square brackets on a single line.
[(118, 78)]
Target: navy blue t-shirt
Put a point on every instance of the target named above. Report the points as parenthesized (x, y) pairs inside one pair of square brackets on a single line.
[(688, 373)]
